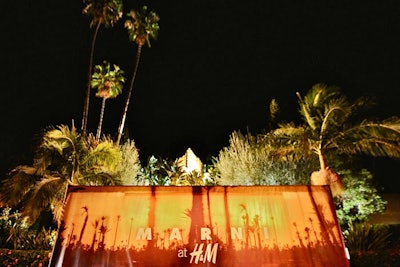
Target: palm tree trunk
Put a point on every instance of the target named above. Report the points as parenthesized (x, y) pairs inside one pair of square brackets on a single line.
[(87, 97), (322, 161), (103, 105), (327, 176), (123, 118)]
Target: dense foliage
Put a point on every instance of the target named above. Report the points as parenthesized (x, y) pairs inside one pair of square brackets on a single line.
[(373, 245), (332, 130), (64, 157), (360, 200), (17, 234), (250, 161)]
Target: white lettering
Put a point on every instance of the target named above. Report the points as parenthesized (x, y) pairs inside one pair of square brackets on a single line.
[(211, 253), (237, 233), (143, 234), (175, 234), (182, 253), (196, 253), (205, 233)]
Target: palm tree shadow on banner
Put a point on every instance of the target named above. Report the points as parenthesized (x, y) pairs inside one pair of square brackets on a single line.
[(200, 226)]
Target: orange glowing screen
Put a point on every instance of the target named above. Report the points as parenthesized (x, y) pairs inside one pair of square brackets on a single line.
[(200, 226)]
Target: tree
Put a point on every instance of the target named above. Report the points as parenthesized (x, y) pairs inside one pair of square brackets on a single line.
[(106, 12), (333, 127), (109, 84), (130, 167), (249, 160), (63, 158), (142, 26), (360, 200)]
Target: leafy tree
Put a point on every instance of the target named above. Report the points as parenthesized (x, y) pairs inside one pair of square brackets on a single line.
[(63, 158), (332, 126), (102, 12), (109, 83), (142, 26), (250, 161), (16, 233), (157, 171), (360, 200), (286, 155), (130, 166)]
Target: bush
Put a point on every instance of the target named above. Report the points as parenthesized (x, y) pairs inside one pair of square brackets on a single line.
[(372, 245), (367, 237), (249, 161), (24, 257), (359, 200), (16, 233)]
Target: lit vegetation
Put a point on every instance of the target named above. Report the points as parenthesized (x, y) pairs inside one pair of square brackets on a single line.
[(249, 161), (142, 26), (332, 132), (106, 13), (334, 127), (109, 83), (65, 158), (367, 237)]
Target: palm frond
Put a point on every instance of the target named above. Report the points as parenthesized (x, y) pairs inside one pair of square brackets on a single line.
[(291, 140), (108, 81), (42, 195), (59, 151), (320, 94), (336, 112), (18, 184), (313, 105), (104, 157), (142, 25), (101, 178), (104, 12), (306, 113), (372, 138)]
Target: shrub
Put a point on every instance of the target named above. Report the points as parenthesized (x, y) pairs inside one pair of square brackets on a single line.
[(24, 257), (359, 200), (247, 161), (16, 233), (130, 166), (367, 237)]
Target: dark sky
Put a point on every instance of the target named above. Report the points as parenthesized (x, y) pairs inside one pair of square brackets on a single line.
[(214, 69)]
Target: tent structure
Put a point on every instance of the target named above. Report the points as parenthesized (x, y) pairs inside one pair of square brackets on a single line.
[(199, 226)]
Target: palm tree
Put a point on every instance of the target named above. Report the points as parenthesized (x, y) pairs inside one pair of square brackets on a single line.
[(332, 124), (106, 12), (63, 158), (142, 26), (109, 84)]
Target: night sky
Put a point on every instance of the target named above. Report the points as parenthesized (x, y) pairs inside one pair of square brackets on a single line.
[(214, 69)]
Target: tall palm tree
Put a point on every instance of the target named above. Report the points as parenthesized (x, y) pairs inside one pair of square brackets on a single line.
[(142, 26), (109, 83), (106, 12), (332, 124), (63, 158)]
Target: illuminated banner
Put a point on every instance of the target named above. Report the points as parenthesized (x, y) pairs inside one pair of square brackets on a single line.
[(199, 226)]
